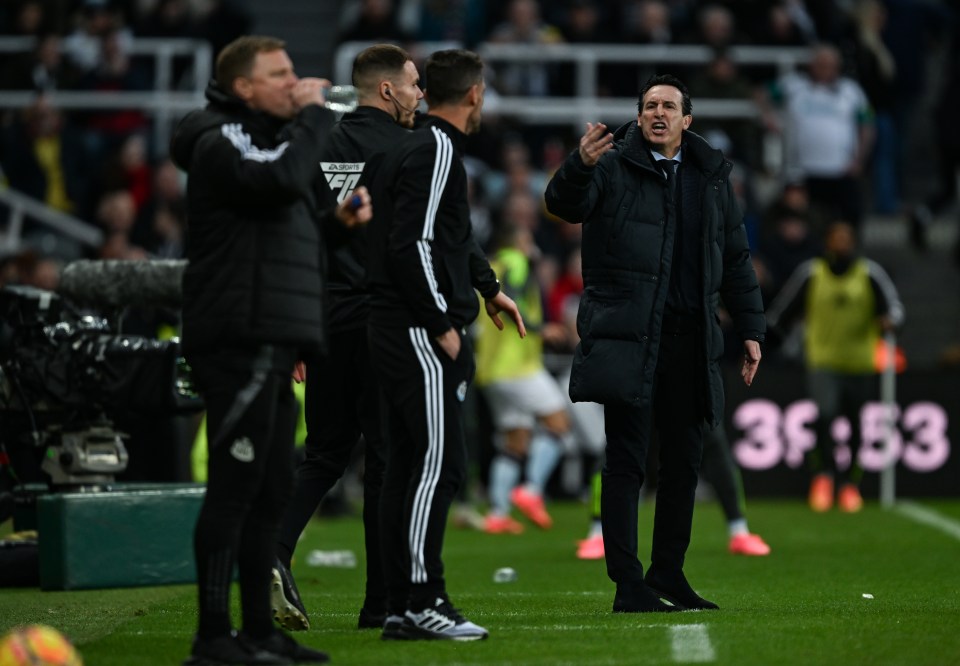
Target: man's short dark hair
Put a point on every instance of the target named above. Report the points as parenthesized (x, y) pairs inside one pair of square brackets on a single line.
[(449, 75), (376, 63), (667, 80), (236, 59)]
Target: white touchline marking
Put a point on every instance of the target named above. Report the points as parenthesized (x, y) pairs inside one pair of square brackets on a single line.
[(565, 627), (929, 517), (690, 644)]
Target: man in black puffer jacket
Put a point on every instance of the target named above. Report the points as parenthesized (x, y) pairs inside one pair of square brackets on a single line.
[(251, 305), (661, 246)]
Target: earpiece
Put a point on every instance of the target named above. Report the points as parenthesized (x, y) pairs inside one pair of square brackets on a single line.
[(398, 105)]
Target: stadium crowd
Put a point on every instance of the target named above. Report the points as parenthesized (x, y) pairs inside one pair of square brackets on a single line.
[(865, 81)]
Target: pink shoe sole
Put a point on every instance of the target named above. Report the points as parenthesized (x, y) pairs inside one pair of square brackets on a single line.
[(532, 507), (591, 549), (748, 544)]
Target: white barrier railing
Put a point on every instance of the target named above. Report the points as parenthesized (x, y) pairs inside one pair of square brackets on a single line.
[(20, 205), (586, 105), (162, 102)]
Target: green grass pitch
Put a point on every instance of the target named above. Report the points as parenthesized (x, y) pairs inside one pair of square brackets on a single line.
[(804, 604)]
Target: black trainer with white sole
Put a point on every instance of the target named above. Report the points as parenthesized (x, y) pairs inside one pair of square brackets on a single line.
[(285, 603), (440, 622)]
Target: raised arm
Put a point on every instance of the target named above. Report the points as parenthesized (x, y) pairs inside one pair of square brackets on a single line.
[(248, 173), (577, 185)]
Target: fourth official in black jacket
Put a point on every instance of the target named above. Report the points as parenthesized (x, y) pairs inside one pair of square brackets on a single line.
[(342, 395)]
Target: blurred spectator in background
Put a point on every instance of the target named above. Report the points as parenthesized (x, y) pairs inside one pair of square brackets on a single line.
[(947, 147), (646, 22), (44, 273), (721, 79), (107, 129), (43, 69), (128, 168), (169, 19), (116, 214), (787, 236), (523, 25), (527, 405), (584, 22), (30, 268), (43, 157), (162, 218), (909, 33), (168, 226), (221, 21), (715, 27), (452, 20), (371, 21), (564, 298), (784, 24), (875, 70), (481, 221), (948, 130), (517, 171), (641, 22), (793, 199), (522, 209), (828, 128), (25, 18), (84, 46), (166, 18), (846, 302), (781, 24)]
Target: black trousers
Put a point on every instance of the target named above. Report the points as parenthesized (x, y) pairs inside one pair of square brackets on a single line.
[(251, 421), (341, 404), (677, 413), (719, 469), (422, 393), (839, 394)]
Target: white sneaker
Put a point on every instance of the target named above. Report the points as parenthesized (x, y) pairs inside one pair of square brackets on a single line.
[(442, 621)]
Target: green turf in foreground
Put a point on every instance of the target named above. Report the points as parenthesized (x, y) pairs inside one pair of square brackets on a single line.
[(802, 605)]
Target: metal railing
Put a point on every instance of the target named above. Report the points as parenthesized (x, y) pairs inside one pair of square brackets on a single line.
[(586, 105), (163, 103), (20, 206)]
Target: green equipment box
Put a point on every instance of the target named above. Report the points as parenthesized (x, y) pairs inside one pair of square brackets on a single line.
[(119, 538)]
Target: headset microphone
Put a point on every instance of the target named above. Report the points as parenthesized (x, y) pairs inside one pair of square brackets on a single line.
[(398, 104)]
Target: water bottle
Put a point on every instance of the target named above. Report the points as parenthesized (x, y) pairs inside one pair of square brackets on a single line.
[(504, 575), (341, 99), (344, 559)]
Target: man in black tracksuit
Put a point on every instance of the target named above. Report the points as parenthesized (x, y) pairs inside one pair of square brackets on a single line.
[(422, 269), (663, 240), (342, 398), (251, 306)]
